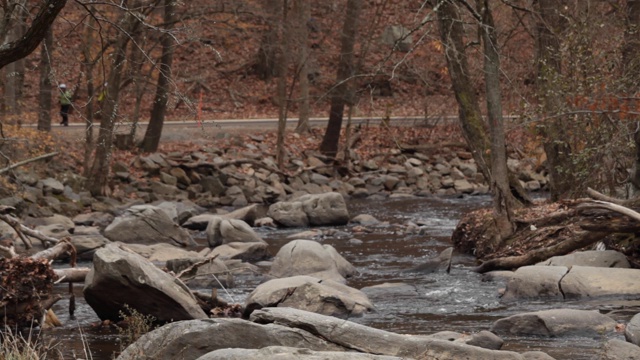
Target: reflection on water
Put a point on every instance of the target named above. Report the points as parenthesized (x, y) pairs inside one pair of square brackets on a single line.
[(425, 304)]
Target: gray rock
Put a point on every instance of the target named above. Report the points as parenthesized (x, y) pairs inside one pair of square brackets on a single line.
[(51, 186), (308, 293), (306, 257), (120, 277), (556, 322), (321, 209), (616, 349), (161, 253), (88, 243), (147, 224), (251, 251), (535, 282), (233, 230), (607, 259), (440, 262), (592, 282), (289, 353), (192, 339), (361, 338), (365, 219), (632, 330), (100, 219)]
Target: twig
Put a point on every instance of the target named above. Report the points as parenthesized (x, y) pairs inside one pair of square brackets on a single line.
[(18, 164)]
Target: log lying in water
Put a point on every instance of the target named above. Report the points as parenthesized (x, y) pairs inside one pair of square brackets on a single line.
[(580, 224)]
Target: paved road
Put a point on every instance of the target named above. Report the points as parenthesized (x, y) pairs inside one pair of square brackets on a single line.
[(272, 123)]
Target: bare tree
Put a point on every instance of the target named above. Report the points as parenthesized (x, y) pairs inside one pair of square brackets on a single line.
[(341, 94), (44, 99), (97, 183), (37, 30), (631, 73), (154, 130), (265, 65), (302, 14)]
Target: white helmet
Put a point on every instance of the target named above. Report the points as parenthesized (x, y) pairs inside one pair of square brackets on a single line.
[(63, 86)]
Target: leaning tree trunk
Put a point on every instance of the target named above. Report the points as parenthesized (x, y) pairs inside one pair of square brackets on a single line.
[(342, 92), (473, 127), (97, 183), (503, 200), (154, 130), (44, 98)]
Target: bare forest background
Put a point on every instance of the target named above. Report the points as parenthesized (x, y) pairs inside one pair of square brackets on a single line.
[(567, 70)]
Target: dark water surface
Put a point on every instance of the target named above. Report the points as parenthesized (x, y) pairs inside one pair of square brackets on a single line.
[(458, 301)]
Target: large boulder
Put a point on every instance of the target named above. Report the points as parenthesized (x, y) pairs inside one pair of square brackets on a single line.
[(192, 339), (442, 262), (595, 258), (556, 322), (306, 257), (289, 353), (121, 277), (325, 297), (147, 224), (313, 209), (248, 214)]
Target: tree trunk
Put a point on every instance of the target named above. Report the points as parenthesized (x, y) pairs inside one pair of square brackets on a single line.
[(44, 98), (26, 44), (88, 66), (473, 126), (154, 130), (283, 59), (631, 73), (302, 15), (503, 200), (558, 151), (97, 183), (342, 92), (266, 62)]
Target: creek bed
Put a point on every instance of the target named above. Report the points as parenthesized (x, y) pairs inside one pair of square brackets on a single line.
[(458, 301)]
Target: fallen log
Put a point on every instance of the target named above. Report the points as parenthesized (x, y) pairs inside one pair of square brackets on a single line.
[(71, 275), (583, 239)]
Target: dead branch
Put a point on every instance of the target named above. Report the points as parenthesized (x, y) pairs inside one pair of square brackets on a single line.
[(21, 230), (598, 204), (195, 266), (535, 256), (24, 162), (71, 275), (64, 246)]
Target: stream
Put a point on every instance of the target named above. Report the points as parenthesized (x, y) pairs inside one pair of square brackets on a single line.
[(459, 301)]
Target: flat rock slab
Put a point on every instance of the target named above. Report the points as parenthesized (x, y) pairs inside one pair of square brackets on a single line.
[(287, 353), (535, 282), (357, 337), (584, 281), (556, 322), (595, 258)]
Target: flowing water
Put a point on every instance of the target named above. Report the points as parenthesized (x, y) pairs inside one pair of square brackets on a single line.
[(459, 301)]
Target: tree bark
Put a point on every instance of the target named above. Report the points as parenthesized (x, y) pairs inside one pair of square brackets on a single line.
[(342, 91), (302, 15), (503, 200), (25, 45), (549, 63), (97, 183), (154, 129), (631, 74), (283, 62), (577, 241), (473, 126), (266, 60), (44, 98)]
